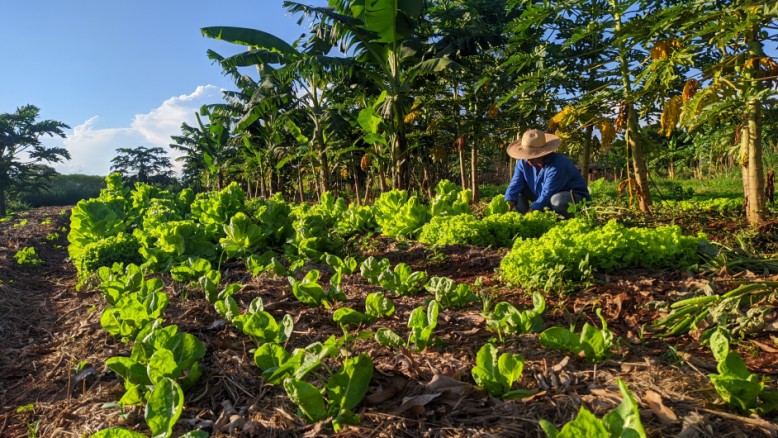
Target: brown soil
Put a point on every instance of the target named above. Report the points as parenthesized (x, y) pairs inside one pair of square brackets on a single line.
[(53, 378)]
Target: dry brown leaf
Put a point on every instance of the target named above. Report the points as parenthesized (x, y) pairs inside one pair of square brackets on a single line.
[(662, 412), (417, 403)]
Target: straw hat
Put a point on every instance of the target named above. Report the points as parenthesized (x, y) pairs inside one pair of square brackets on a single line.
[(533, 144)]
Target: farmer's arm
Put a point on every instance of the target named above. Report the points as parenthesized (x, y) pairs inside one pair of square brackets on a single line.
[(516, 185)]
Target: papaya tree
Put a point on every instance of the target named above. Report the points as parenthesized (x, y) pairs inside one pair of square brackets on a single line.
[(22, 154), (735, 79)]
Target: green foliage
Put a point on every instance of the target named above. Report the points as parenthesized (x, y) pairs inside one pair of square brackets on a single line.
[(262, 327), (172, 243), (133, 308), (496, 229), (450, 200), (402, 279), (213, 209), (65, 190), (344, 389), (506, 319), (624, 421), (356, 219), (346, 266), (242, 236), (313, 238), (570, 252), (736, 385), (592, 344), (372, 268), (450, 294), (27, 256), (422, 324), (159, 353), (121, 248), (497, 375), (274, 218), (92, 220), (497, 205), (191, 270), (400, 216), (308, 291), (378, 305)]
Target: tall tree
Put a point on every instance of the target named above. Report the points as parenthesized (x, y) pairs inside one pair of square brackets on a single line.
[(21, 150), (735, 79), (208, 148), (382, 35), (142, 164)]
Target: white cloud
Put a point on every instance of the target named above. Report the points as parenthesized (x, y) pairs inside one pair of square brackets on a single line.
[(92, 147)]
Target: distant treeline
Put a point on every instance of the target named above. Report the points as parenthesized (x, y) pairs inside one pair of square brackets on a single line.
[(65, 190)]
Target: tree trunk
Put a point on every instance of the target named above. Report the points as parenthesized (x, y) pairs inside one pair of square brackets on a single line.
[(638, 161), (462, 172), (474, 167), (754, 171), (586, 157), (3, 211)]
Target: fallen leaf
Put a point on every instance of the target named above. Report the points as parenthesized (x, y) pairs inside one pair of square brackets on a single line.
[(764, 347), (448, 387), (664, 414), (415, 402)]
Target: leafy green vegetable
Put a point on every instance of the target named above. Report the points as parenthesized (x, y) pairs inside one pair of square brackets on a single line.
[(163, 408), (191, 270), (506, 319), (27, 256), (400, 216), (378, 305), (624, 421), (450, 294), (241, 236), (402, 279), (593, 344), (308, 291), (422, 324), (735, 384), (497, 375), (568, 254), (372, 268)]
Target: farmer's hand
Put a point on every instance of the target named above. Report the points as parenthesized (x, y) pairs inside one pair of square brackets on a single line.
[(512, 205)]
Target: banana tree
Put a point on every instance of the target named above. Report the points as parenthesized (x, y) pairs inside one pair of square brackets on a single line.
[(207, 147), (309, 71), (382, 36)]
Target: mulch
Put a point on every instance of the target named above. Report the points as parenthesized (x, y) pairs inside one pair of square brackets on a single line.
[(53, 377)]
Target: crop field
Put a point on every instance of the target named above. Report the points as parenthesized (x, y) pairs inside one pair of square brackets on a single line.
[(148, 313)]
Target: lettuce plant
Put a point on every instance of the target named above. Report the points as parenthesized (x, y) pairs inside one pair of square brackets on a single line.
[(402, 279), (344, 391), (506, 319), (592, 344), (450, 294), (497, 374), (624, 421), (736, 385)]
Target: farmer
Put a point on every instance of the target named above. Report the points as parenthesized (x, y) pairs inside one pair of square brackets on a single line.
[(543, 178)]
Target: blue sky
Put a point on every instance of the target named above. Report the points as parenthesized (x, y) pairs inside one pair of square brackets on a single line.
[(121, 73)]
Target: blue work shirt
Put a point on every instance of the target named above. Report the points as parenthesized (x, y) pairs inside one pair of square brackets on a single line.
[(558, 174)]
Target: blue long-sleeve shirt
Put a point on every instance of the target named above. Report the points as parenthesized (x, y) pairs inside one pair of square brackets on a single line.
[(557, 174)]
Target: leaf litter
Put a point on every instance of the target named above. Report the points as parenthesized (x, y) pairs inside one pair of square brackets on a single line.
[(54, 352)]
